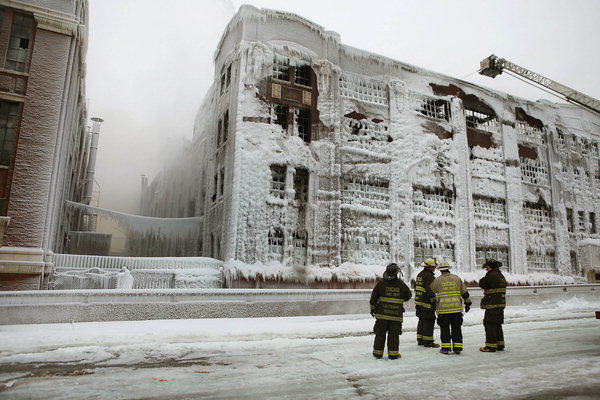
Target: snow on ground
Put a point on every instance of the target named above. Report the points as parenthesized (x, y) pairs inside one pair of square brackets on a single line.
[(552, 352)]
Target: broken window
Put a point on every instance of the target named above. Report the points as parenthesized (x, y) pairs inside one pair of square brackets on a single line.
[(219, 132), (359, 249), (18, 44), (570, 225), (371, 192), (225, 126), (435, 201), (364, 89), (534, 171), (281, 114), (531, 134), (480, 121), (434, 108), (301, 185), (541, 262), (581, 221), (489, 209), (281, 68), (9, 114), (303, 124), (225, 78), (300, 248), (424, 249), (215, 186), (278, 181), (593, 223), (497, 253), (595, 149), (275, 241), (303, 75), (537, 216), (221, 181)]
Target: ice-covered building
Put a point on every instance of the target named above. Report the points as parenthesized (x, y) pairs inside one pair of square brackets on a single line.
[(309, 153), (44, 145)]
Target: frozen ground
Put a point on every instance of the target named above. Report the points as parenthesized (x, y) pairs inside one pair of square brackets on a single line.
[(552, 353)]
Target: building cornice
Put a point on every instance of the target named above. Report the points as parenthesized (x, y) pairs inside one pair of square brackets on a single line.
[(48, 19)]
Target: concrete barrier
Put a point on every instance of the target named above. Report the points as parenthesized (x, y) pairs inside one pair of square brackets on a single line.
[(59, 306)]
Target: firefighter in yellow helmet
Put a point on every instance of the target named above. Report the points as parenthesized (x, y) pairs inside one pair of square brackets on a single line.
[(387, 306), (450, 293), (425, 303)]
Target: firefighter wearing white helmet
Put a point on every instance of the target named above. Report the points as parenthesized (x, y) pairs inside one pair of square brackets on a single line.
[(425, 303), (450, 293)]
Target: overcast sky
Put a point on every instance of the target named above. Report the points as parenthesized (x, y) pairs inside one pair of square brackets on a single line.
[(150, 62)]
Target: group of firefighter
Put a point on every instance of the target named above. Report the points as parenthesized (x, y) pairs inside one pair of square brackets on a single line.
[(444, 298)]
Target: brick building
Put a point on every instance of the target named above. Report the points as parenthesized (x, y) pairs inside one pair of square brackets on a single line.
[(44, 145)]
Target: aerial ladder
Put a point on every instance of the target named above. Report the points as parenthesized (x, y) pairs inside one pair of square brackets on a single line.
[(493, 66)]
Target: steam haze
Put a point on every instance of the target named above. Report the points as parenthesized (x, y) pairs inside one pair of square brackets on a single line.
[(150, 63)]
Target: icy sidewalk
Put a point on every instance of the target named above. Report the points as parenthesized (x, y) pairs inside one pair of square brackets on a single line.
[(551, 352)]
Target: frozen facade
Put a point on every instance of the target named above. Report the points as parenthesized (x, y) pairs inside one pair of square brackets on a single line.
[(309, 153), (44, 145)]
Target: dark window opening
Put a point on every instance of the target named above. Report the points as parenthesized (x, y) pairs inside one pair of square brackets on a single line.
[(593, 223), (303, 121), (9, 114), (301, 185), (569, 219), (225, 126), (281, 115), (278, 173), (219, 132), (303, 75)]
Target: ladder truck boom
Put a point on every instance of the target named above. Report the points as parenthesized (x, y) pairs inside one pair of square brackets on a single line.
[(493, 66)]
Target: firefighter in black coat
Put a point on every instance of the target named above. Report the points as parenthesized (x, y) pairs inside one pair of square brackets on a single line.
[(387, 306), (425, 303), (493, 302)]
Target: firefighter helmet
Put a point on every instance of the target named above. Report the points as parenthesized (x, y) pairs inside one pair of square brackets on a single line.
[(429, 262), (492, 264), (392, 269), (444, 266)]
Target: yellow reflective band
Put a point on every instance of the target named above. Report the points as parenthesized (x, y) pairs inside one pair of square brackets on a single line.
[(388, 317), (446, 345), (492, 345), (391, 300), (393, 352), (419, 336), (420, 288), (490, 306), (498, 290), (450, 311), (426, 305), (428, 337), (378, 352), (457, 344), (446, 294)]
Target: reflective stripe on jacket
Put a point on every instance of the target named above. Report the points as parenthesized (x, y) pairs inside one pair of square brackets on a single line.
[(387, 299), (424, 296), (450, 291), (494, 290)]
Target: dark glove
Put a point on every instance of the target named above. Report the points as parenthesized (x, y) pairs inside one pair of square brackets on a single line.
[(372, 313), (467, 307)]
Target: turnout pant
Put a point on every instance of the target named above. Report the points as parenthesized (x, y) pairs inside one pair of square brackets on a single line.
[(492, 322), (425, 325), (451, 331), (393, 330)]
